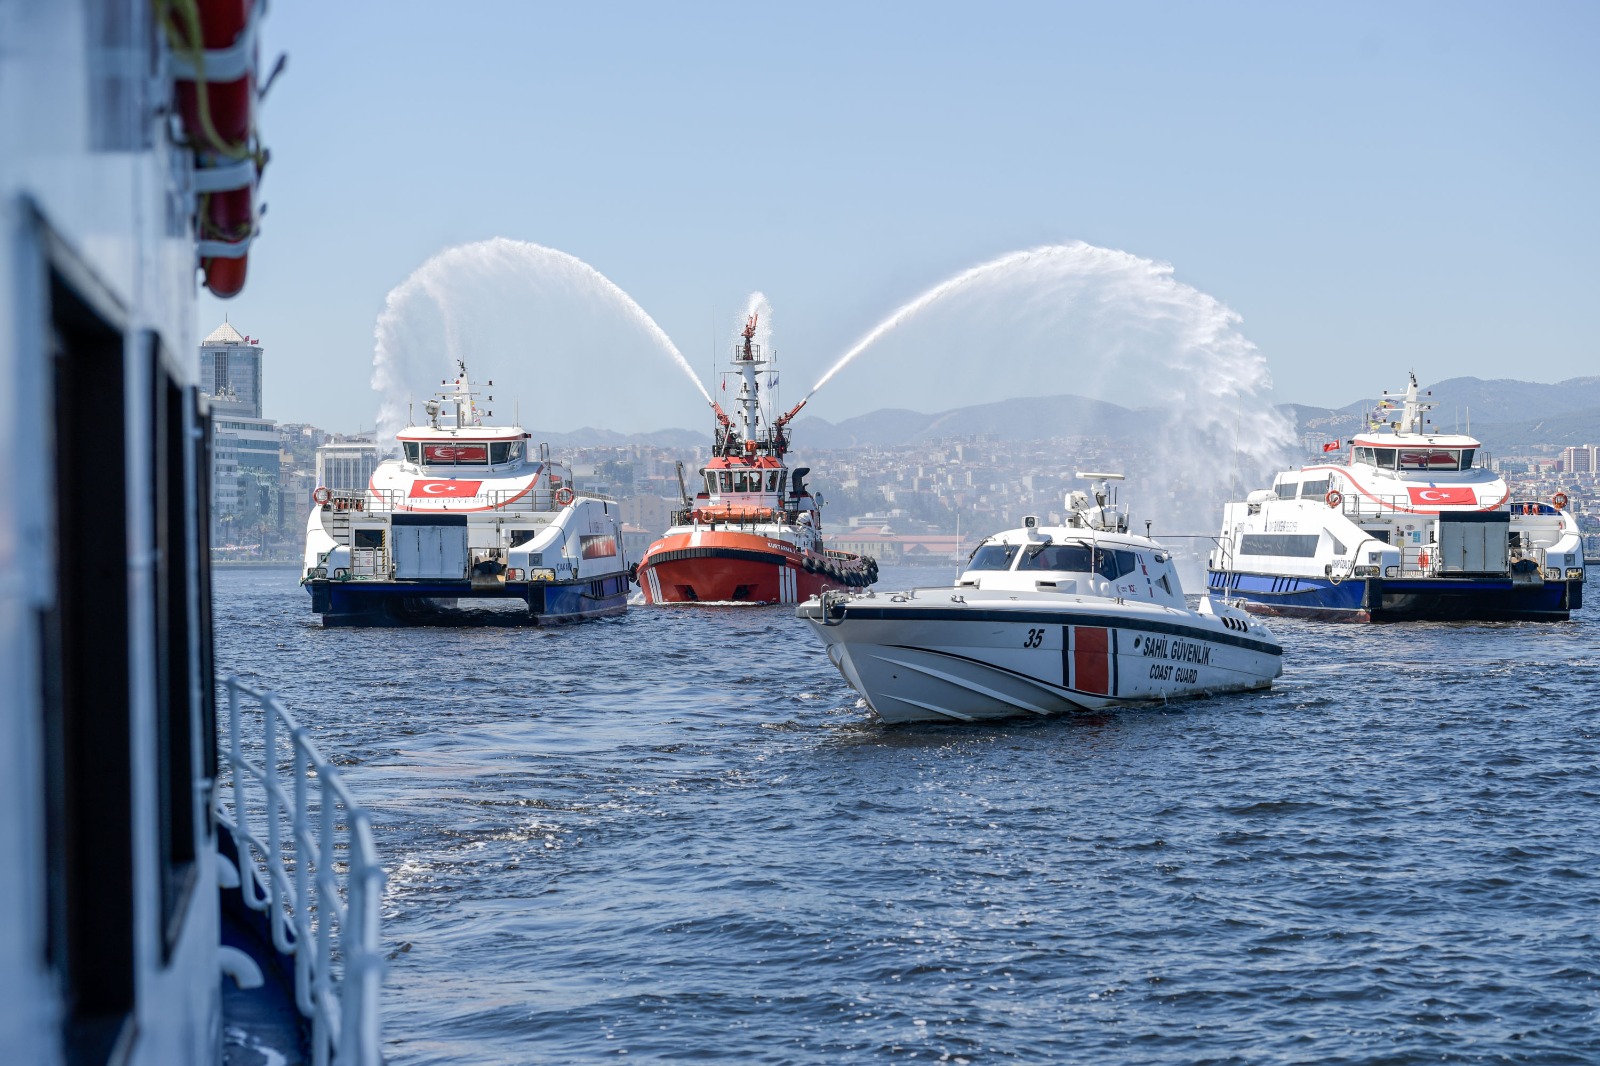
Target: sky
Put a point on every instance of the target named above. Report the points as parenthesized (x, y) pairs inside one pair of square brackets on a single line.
[(1370, 187)]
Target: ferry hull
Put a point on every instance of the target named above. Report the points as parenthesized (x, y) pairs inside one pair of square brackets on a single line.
[(727, 567), (398, 602), (1438, 599)]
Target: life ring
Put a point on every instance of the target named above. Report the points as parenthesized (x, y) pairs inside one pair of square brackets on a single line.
[(321, 494), (1334, 498), (563, 496), (1559, 500)]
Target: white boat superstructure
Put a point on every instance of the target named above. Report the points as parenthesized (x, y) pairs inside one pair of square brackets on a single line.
[(468, 511), (1410, 526), (1044, 620)]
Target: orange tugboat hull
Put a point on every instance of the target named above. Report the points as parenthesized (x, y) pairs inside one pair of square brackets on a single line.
[(730, 567)]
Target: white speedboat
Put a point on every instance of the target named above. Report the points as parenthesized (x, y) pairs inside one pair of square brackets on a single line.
[(1044, 620), (1408, 527), (466, 513)]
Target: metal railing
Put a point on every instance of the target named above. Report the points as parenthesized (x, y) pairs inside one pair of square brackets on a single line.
[(307, 861)]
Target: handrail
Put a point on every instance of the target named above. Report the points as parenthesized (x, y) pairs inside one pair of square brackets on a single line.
[(323, 900)]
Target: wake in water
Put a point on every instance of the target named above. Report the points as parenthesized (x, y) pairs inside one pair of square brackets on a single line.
[(551, 330), (1078, 319)]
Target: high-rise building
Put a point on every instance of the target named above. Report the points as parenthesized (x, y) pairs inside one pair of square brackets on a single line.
[(230, 367), (245, 447), (1582, 459), (346, 466)]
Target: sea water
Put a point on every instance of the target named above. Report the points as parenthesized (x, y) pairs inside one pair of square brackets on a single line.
[(679, 836)]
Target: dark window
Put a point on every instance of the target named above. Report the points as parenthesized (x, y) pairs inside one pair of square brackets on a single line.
[(1287, 489), (1313, 490), (366, 538), (170, 625), (993, 557), (1386, 458), (1298, 545), (1069, 558), (505, 452), (521, 536), (1467, 455), (86, 675), (413, 451)]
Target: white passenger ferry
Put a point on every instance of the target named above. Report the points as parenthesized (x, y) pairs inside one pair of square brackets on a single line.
[(166, 896), (467, 512), (1044, 620), (1409, 527)]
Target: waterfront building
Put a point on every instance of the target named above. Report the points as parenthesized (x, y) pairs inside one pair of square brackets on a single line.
[(230, 365)]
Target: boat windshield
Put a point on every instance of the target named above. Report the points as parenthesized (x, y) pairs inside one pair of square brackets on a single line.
[(1436, 459), (505, 452), (456, 454), (993, 557), (1109, 563)]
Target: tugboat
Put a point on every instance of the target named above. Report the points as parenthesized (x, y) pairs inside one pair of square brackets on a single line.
[(1044, 620), (185, 879), (753, 532), (467, 512), (1408, 528)]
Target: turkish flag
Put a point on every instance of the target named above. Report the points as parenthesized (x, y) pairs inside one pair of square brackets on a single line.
[(1434, 497), (435, 490)]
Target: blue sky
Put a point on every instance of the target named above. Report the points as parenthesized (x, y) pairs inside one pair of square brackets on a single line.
[(1373, 187)]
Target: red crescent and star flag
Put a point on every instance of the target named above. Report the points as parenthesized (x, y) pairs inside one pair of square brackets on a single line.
[(1432, 497), (423, 489)]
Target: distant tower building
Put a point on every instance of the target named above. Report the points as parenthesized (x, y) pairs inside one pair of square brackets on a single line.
[(345, 466), (230, 367), (1582, 459), (245, 447)]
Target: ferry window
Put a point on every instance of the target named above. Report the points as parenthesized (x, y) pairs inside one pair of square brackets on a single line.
[(711, 483), (1295, 545), (1364, 455), (86, 680), (1112, 564), (783, 481), (1385, 457), (520, 537), (1287, 489), (993, 557), (502, 452), (1313, 490), (725, 479), (456, 454), (772, 481), (1430, 459), (413, 452), (1467, 455), (1072, 558)]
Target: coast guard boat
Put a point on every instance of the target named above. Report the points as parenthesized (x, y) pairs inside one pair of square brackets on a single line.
[(1409, 527), (184, 879), (1044, 620), (753, 533), (467, 512)]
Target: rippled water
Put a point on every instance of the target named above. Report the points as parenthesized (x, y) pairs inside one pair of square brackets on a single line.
[(676, 836)]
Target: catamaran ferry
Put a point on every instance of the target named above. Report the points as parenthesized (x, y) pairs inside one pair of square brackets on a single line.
[(467, 512), (1409, 527)]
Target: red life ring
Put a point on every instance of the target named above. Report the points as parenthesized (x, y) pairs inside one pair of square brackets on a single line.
[(563, 496), (1334, 498), (321, 494), (1560, 501)]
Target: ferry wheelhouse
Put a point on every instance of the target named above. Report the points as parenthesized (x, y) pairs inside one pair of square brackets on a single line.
[(1409, 527), (752, 532), (468, 511)]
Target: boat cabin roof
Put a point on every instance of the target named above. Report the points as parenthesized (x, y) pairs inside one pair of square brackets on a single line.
[(475, 433), (1412, 440)]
